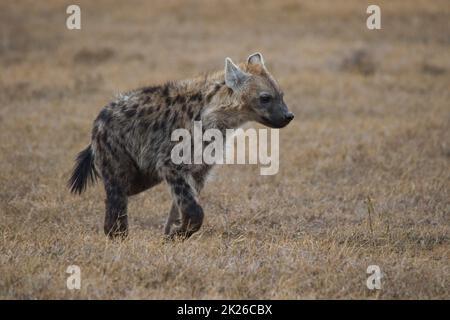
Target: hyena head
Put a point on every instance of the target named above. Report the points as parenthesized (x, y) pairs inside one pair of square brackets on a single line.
[(258, 94)]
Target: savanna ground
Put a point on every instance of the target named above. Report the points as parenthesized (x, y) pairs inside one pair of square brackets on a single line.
[(372, 122)]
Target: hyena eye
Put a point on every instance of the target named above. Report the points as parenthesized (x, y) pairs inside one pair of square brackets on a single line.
[(265, 98)]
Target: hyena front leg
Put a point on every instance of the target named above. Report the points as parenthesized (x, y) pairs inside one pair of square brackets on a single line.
[(184, 198), (116, 218), (174, 214)]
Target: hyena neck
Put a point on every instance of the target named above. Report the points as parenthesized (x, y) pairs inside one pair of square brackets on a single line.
[(221, 109), (218, 117)]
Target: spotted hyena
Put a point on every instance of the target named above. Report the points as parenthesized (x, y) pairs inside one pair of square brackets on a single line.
[(131, 143)]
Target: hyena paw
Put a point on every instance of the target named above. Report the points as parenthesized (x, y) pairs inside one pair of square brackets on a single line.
[(178, 235), (117, 230), (171, 225)]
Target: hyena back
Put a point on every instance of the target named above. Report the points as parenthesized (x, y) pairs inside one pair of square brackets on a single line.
[(131, 139)]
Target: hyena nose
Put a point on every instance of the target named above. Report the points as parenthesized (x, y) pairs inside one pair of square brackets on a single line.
[(289, 116)]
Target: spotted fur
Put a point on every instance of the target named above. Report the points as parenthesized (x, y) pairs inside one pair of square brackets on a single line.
[(131, 142)]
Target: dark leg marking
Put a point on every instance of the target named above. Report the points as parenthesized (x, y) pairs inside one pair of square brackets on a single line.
[(191, 212)]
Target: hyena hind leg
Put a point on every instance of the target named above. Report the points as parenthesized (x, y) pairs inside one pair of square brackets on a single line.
[(173, 218), (116, 218)]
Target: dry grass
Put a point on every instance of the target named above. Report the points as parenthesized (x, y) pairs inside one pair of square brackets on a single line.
[(304, 233)]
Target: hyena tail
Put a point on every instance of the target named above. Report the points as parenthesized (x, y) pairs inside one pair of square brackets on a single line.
[(83, 171)]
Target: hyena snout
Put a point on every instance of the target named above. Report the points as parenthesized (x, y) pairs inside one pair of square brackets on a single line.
[(278, 118), (286, 118), (282, 116), (289, 116)]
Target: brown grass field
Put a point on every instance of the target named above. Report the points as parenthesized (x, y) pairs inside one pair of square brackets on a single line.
[(372, 122)]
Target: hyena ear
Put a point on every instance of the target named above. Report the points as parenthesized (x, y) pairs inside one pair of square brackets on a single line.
[(256, 58), (234, 77)]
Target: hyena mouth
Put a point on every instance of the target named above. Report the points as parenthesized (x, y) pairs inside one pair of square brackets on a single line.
[(275, 125)]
